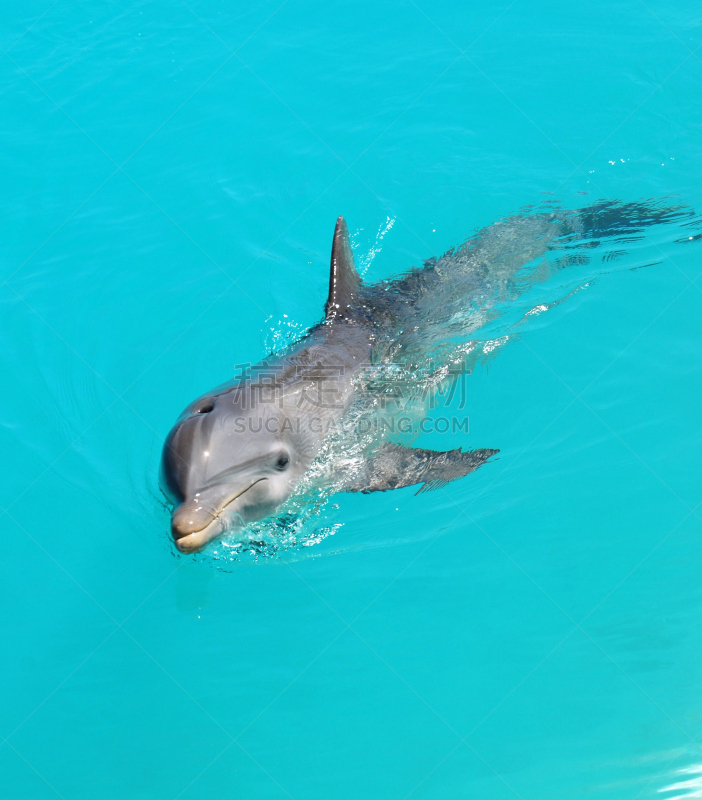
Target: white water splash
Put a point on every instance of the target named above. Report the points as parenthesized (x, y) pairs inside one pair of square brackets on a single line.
[(282, 333), (364, 261)]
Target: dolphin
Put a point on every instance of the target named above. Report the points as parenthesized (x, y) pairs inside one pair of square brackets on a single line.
[(238, 452)]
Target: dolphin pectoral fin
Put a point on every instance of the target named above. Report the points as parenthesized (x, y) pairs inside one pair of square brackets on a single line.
[(344, 280), (394, 467)]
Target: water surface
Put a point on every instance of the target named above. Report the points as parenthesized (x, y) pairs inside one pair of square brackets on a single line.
[(172, 174)]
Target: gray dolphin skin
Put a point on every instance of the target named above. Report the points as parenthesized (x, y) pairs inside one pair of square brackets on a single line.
[(238, 453)]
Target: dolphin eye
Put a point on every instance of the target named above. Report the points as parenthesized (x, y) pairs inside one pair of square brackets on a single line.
[(282, 461)]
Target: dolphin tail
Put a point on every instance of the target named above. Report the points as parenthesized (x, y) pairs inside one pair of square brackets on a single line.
[(344, 281), (394, 467)]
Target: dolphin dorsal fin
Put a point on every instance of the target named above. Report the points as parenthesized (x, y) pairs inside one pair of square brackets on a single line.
[(344, 281)]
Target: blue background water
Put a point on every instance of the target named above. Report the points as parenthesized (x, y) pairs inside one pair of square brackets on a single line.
[(171, 177)]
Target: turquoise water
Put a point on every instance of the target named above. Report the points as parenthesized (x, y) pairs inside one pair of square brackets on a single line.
[(171, 177)]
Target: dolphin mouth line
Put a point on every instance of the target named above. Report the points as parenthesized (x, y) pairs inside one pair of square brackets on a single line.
[(225, 507), (195, 537)]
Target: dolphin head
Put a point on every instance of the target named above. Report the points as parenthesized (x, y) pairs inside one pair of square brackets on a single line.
[(225, 464)]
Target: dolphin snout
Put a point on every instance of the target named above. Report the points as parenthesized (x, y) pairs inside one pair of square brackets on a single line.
[(189, 518), (192, 542), (195, 522), (191, 525)]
